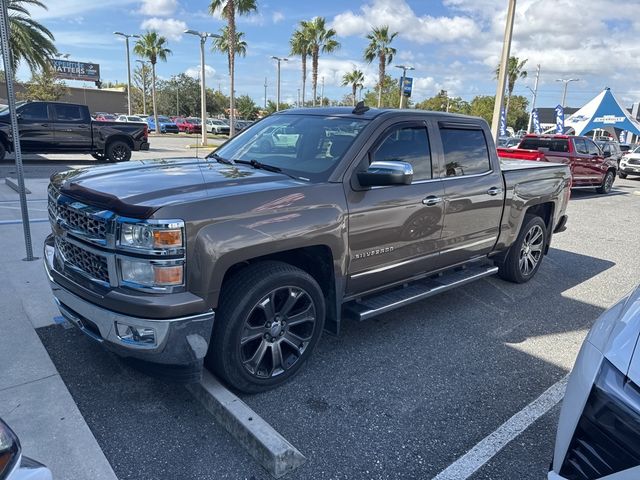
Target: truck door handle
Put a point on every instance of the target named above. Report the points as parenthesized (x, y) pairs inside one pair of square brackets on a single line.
[(493, 191), (431, 201)]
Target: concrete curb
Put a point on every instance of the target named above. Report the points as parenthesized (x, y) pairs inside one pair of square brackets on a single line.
[(260, 439), (13, 183)]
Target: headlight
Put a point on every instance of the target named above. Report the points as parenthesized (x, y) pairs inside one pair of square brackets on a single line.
[(9, 450), (149, 274), (151, 236)]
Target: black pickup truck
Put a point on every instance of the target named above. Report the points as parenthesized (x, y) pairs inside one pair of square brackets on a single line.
[(54, 127)]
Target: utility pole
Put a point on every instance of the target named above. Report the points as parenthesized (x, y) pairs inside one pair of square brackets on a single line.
[(502, 74), (404, 75), (533, 99), (265, 93), (278, 59), (322, 94), (126, 42), (566, 82)]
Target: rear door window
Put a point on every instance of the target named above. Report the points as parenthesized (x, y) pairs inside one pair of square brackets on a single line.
[(465, 152), (68, 113)]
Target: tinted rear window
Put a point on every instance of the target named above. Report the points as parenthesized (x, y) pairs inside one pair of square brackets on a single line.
[(465, 152), (553, 144)]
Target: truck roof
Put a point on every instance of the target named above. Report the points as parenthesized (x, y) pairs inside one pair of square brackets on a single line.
[(370, 113)]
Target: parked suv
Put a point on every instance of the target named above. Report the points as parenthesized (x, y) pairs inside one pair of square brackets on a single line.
[(189, 124), (630, 163)]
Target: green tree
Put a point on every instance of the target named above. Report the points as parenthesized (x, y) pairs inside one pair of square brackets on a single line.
[(322, 40), (29, 40), (153, 47), (380, 47), (389, 98), (355, 79), (217, 102), (221, 44), (140, 94), (44, 86), (230, 9), (440, 102), (179, 96), (515, 70), (247, 108), (517, 116), (301, 46), (271, 106)]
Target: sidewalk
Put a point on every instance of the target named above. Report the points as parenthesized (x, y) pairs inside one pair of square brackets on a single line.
[(34, 400)]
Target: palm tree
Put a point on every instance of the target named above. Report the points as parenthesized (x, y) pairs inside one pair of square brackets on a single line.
[(221, 44), (515, 70), (229, 10), (380, 47), (355, 78), (300, 46), (153, 47), (29, 41), (320, 39)]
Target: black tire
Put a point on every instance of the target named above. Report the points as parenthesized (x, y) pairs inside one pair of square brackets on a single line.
[(607, 183), (521, 263), (3, 151), (118, 151), (622, 175), (98, 156), (243, 315)]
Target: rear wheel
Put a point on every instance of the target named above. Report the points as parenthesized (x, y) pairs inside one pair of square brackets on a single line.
[(118, 151), (525, 255), (607, 183), (268, 323), (622, 175)]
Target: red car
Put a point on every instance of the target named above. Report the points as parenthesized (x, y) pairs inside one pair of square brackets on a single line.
[(105, 117), (189, 124), (590, 167)]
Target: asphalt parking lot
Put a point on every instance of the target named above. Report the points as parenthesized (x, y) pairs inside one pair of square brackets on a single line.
[(400, 396)]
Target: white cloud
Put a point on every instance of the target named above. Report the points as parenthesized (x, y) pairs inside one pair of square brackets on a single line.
[(158, 8), (167, 27), (277, 17), (209, 73), (401, 18)]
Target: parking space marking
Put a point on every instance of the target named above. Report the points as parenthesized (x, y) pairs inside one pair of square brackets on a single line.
[(261, 440), (488, 447)]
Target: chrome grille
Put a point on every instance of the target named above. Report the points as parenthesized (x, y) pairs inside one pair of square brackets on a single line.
[(95, 266), (79, 218), (633, 161)]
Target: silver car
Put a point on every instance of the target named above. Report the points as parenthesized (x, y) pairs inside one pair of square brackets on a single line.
[(13, 466), (599, 427)]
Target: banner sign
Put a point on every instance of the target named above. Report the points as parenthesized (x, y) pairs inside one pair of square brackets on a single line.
[(623, 136), (536, 122), (407, 86), (559, 119), (503, 123), (71, 70)]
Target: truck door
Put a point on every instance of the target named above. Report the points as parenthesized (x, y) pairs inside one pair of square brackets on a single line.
[(582, 162), (394, 231), (36, 131), (72, 126), (473, 192), (595, 165)]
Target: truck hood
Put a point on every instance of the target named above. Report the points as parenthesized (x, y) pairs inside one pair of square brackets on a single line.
[(139, 188), (615, 334)]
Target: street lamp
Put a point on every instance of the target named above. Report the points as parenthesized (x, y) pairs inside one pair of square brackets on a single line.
[(404, 75), (566, 82), (279, 59), (203, 93), (144, 85), (126, 41)]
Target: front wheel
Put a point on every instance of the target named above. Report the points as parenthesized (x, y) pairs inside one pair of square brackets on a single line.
[(607, 183), (118, 151), (622, 175), (525, 255), (270, 318)]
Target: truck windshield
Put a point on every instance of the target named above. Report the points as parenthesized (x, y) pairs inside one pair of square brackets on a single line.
[(304, 146), (553, 144)]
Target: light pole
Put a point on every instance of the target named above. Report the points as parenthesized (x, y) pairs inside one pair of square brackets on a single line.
[(566, 82), (203, 93), (265, 93), (126, 42), (279, 59), (533, 100), (404, 75), (502, 73), (144, 85)]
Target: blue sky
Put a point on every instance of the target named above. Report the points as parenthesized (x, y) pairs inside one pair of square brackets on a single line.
[(453, 44)]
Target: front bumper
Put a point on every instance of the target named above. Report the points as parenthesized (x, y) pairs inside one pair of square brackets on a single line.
[(178, 341), (629, 169)]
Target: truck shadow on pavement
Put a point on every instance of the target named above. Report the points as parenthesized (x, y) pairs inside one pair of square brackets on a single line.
[(400, 396)]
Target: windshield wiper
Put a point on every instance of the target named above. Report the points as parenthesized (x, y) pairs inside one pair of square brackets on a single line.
[(219, 159), (258, 165)]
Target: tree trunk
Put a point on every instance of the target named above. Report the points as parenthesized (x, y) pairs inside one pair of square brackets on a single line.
[(153, 95), (304, 75), (354, 88), (381, 65), (314, 67), (232, 61)]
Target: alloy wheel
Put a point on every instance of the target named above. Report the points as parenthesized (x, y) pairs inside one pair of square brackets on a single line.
[(531, 250)]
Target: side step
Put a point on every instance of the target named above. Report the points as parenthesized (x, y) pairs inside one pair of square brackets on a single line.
[(377, 304)]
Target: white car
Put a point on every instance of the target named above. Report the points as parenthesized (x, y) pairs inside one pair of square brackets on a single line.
[(217, 126), (599, 427), (630, 163), (129, 119)]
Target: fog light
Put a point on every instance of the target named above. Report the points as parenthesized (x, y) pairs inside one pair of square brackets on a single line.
[(131, 334)]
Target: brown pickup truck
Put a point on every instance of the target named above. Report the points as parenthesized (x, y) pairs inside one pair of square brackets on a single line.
[(240, 260)]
